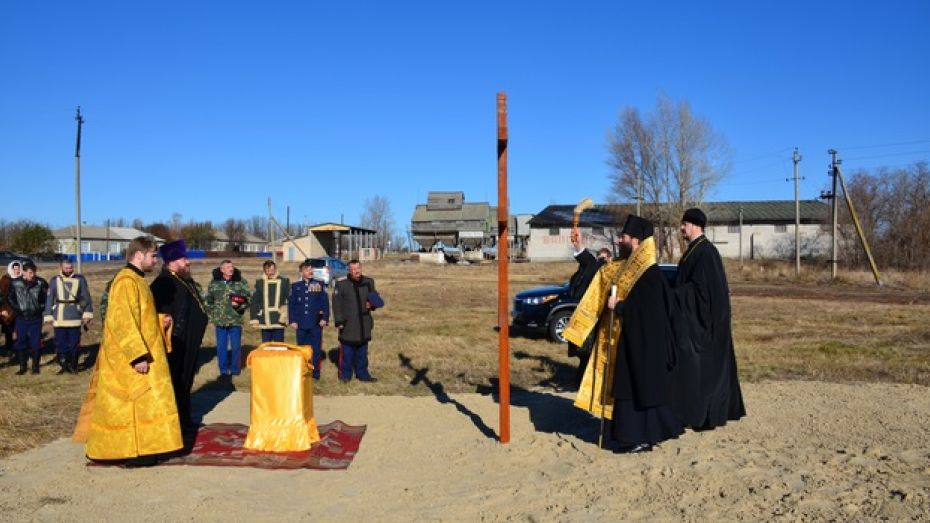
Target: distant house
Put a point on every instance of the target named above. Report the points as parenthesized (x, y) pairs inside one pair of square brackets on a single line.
[(250, 243), (331, 239), (767, 229), (448, 219), (97, 242)]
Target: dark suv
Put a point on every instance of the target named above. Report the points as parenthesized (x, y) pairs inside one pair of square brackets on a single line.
[(8, 257), (549, 308)]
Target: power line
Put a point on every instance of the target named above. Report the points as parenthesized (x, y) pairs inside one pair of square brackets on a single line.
[(779, 152), (887, 155), (886, 145)]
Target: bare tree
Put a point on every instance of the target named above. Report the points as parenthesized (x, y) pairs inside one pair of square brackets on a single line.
[(198, 235), (235, 233), (32, 238), (258, 226), (893, 206), (176, 225), (159, 230), (671, 159), (378, 217)]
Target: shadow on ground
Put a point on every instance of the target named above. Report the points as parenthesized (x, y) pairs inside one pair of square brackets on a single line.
[(420, 378), (549, 412)]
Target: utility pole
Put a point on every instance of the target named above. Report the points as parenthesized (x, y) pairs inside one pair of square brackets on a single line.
[(834, 163), (859, 231), (274, 254), (77, 187), (796, 158)]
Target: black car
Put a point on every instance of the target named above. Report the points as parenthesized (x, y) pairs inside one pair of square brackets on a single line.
[(8, 257), (549, 308)]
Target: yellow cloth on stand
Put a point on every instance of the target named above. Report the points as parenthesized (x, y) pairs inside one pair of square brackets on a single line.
[(596, 383), (281, 410)]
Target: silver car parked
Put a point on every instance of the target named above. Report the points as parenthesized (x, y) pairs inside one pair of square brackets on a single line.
[(328, 269)]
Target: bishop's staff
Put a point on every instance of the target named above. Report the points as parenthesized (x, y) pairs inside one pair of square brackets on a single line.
[(610, 340)]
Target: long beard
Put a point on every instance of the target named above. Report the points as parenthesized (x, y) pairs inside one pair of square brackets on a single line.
[(625, 251)]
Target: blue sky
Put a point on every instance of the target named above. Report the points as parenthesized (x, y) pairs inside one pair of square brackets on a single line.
[(209, 108)]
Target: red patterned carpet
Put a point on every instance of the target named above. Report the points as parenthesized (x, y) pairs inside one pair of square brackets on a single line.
[(220, 444)]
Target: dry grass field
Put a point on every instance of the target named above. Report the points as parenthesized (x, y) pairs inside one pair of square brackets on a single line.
[(437, 335)]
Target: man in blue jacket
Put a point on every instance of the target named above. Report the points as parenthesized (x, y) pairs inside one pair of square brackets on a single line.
[(308, 312)]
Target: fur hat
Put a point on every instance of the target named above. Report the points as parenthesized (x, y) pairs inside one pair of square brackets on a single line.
[(638, 227), (695, 216), (173, 251)]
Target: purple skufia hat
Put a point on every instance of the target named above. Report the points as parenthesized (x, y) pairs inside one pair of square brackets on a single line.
[(173, 251)]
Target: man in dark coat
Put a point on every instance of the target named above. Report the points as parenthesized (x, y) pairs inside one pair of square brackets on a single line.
[(27, 298), (641, 413), (179, 296), (706, 387), (353, 300), (588, 265)]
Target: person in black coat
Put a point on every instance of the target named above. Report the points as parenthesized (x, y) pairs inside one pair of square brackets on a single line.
[(706, 388), (179, 296), (588, 265), (642, 415), (27, 299), (354, 298)]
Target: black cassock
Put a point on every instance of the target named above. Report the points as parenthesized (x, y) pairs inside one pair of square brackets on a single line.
[(705, 387), (641, 373), (177, 298)]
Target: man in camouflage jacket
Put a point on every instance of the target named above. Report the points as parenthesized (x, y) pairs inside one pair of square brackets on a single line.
[(228, 298)]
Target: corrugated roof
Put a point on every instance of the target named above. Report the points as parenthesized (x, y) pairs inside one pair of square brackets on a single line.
[(768, 211), (93, 232), (613, 215), (221, 236), (341, 227), (607, 215), (469, 211)]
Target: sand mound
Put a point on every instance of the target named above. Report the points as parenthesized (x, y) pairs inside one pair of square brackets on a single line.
[(806, 450)]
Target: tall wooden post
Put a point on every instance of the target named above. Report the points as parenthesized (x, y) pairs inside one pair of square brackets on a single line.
[(503, 305), (77, 190)]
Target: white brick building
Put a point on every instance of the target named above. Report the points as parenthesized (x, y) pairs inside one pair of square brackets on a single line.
[(767, 230)]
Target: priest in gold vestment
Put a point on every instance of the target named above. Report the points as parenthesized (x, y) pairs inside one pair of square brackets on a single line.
[(626, 379), (129, 412)]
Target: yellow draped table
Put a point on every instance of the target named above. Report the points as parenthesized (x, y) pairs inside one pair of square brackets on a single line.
[(281, 410)]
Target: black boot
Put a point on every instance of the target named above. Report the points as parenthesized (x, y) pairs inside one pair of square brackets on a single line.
[(73, 362), (62, 363), (35, 362), (21, 359)]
